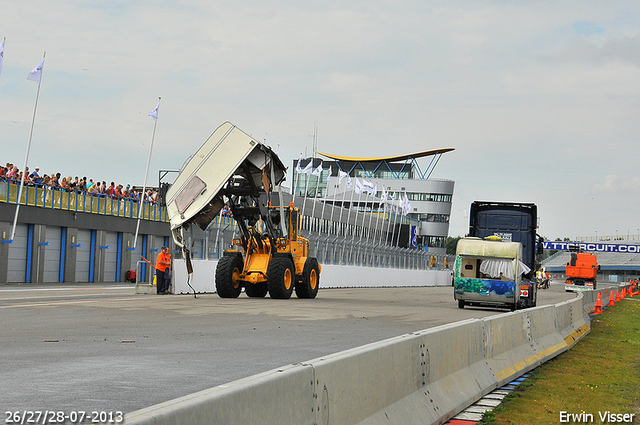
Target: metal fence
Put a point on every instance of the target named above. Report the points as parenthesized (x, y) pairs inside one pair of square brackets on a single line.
[(77, 201), (368, 253), (327, 248)]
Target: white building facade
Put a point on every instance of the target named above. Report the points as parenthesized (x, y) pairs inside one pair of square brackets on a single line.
[(400, 177)]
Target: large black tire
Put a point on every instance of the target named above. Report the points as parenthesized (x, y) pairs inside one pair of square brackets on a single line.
[(227, 284), (281, 278), (460, 304), (256, 290), (308, 285)]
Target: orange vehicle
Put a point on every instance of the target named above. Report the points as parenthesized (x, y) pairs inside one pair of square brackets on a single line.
[(581, 272)]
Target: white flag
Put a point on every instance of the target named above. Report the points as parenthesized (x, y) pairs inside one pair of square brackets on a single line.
[(154, 114), (349, 182), (383, 196), (406, 205), (329, 175), (367, 184), (341, 175), (298, 168), (1, 54), (318, 170), (307, 170), (36, 72)]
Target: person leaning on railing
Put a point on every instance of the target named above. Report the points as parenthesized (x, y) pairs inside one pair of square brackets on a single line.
[(11, 174), (12, 170), (36, 176)]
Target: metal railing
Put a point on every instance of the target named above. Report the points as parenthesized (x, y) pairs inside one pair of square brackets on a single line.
[(327, 248), (78, 201)]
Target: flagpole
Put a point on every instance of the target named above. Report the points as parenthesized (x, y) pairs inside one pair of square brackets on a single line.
[(384, 206), (26, 157), (371, 218), (295, 180), (333, 203), (391, 210), (399, 230), (381, 204), (404, 203), (355, 220), (375, 190), (349, 212), (341, 210), (400, 222), (306, 185), (315, 195), (146, 173), (324, 203), (386, 231), (364, 216), (2, 53)]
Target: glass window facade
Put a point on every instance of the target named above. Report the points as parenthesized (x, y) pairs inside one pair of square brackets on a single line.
[(434, 218)]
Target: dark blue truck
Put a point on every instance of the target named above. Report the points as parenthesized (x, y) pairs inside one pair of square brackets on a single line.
[(496, 262)]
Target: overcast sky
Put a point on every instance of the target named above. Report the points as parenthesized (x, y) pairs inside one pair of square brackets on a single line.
[(540, 99)]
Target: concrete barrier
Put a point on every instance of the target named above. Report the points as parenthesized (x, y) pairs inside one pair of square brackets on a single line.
[(279, 396), (417, 378)]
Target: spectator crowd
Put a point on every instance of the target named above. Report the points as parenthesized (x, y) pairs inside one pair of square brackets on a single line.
[(11, 174)]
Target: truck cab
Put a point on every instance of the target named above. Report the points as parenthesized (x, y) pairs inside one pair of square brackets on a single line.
[(502, 237)]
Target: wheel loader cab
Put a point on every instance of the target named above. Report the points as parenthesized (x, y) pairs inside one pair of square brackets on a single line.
[(293, 216)]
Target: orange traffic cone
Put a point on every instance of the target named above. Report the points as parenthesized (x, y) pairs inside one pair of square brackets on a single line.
[(598, 309), (623, 293), (617, 295), (611, 300)]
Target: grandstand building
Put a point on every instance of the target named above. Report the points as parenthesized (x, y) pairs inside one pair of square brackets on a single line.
[(395, 188), (619, 261)]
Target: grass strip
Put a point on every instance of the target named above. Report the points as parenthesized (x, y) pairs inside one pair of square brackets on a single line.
[(601, 373)]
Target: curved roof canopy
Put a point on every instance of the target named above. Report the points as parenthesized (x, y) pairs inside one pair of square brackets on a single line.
[(388, 158)]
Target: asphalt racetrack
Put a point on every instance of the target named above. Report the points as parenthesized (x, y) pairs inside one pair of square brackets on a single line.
[(101, 347)]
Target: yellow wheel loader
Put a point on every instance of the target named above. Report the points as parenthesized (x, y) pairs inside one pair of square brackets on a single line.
[(270, 256)]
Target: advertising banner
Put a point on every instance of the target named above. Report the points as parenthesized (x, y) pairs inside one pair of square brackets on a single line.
[(593, 247)]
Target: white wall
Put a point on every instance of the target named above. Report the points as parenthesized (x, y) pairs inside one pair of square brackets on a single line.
[(331, 276)]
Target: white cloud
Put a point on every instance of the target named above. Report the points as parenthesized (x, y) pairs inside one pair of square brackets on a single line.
[(539, 107), (625, 187)]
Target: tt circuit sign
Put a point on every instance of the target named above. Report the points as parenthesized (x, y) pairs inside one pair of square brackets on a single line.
[(592, 247)]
